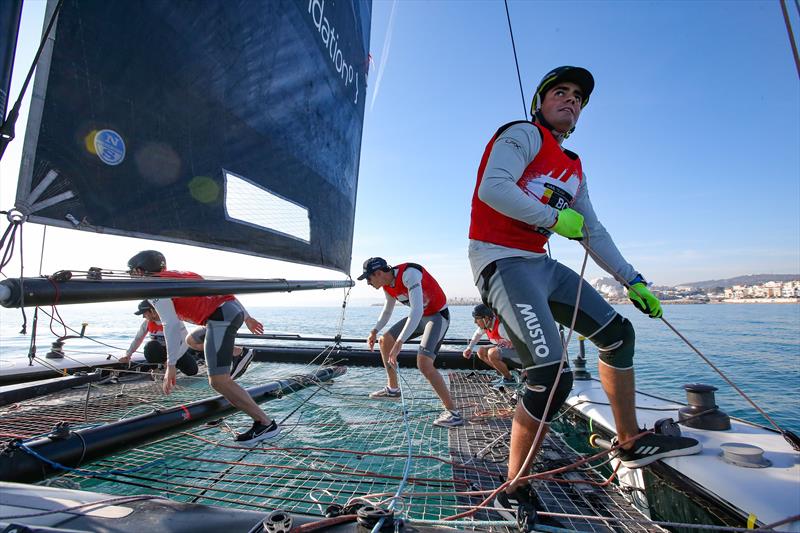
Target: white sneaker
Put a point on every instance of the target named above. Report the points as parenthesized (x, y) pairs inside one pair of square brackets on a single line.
[(503, 383), (385, 394), (449, 419)]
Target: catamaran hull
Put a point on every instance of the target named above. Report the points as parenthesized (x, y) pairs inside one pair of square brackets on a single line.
[(702, 488), (144, 513), (348, 356)]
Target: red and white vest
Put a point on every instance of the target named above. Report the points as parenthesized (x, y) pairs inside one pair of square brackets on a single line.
[(553, 178), (494, 335), (433, 298), (194, 309), (154, 328)]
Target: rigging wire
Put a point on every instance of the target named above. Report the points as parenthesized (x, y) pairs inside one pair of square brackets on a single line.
[(410, 453), (7, 244), (7, 133), (41, 255), (791, 33), (340, 323), (788, 435), (516, 62)]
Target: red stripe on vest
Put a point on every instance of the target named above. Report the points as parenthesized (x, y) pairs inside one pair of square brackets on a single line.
[(494, 336), (153, 327), (194, 309), (433, 297), (489, 225)]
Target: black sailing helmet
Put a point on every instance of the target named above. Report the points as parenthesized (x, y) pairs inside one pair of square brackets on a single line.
[(577, 75), (148, 260), (482, 311)]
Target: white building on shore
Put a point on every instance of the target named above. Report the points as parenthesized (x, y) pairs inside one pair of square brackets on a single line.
[(768, 290)]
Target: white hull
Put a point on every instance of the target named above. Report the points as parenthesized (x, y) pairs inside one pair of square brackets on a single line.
[(766, 495)]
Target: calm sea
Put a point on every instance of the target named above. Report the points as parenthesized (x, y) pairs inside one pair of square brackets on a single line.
[(756, 345)]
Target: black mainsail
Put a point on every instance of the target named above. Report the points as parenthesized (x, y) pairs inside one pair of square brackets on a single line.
[(230, 124), (10, 14)]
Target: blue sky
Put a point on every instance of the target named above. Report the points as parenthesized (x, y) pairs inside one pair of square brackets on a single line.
[(690, 140)]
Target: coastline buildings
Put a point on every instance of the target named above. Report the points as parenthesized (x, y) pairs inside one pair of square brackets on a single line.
[(770, 290), (767, 292)]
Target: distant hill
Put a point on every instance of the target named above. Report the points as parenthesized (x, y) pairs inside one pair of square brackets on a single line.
[(751, 279)]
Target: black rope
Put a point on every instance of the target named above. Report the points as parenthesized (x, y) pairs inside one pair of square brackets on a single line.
[(516, 62), (340, 326), (7, 133), (32, 348), (8, 248), (791, 34)]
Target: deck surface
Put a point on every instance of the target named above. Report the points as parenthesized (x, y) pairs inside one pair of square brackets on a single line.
[(337, 444)]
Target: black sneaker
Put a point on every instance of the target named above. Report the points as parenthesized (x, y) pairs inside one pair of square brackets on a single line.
[(241, 362), (258, 432), (522, 506), (506, 504), (652, 447)]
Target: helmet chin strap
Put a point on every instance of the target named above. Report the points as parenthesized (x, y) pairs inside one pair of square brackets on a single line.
[(560, 136)]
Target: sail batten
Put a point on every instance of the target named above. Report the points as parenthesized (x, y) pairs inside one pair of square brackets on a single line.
[(149, 108)]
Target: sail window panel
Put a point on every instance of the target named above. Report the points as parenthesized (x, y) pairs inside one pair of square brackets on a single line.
[(251, 204)]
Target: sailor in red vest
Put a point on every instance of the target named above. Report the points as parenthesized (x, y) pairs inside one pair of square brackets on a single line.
[(241, 356), (529, 187), (222, 316), (499, 356), (155, 350), (411, 285)]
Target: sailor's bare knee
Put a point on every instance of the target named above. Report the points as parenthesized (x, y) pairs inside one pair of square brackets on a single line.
[(386, 340), (220, 382), (425, 365)]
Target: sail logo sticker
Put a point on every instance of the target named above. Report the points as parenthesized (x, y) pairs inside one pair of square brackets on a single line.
[(109, 147)]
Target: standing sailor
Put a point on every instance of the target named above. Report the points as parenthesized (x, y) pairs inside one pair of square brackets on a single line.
[(222, 315), (529, 187), (411, 285), (499, 356)]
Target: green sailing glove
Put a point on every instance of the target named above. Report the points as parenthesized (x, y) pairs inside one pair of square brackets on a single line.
[(569, 224), (644, 300)]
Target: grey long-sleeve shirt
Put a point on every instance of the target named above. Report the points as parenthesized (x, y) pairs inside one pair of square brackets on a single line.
[(412, 279), (140, 335), (513, 150)]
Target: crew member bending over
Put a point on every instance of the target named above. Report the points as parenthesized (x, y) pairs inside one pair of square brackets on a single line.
[(155, 350), (412, 285), (222, 316), (499, 356)]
